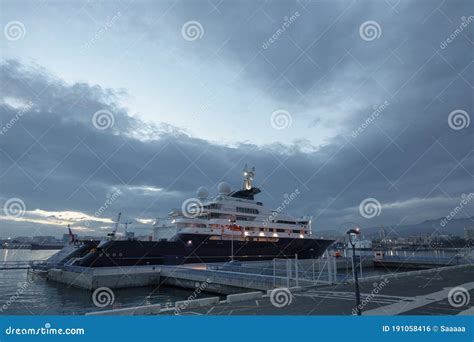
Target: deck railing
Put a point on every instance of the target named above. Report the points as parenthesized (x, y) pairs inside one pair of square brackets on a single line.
[(18, 265)]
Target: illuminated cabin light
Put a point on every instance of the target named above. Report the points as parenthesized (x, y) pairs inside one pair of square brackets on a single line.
[(246, 233), (301, 236), (275, 234), (262, 234)]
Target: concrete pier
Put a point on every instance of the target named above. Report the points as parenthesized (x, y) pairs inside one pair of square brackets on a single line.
[(117, 277), (125, 277), (219, 278), (417, 262), (425, 292)]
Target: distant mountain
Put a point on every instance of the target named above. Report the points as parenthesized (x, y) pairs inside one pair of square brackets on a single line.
[(453, 227)]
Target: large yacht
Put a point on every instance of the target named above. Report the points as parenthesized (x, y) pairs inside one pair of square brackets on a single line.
[(232, 225)]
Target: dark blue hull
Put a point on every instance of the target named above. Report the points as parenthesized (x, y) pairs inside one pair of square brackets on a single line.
[(199, 249)]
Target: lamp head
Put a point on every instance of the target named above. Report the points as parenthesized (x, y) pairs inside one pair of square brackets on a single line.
[(353, 234), (355, 231)]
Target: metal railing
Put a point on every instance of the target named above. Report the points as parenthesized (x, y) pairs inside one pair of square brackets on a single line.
[(19, 265), (288, 272), (457, 260)]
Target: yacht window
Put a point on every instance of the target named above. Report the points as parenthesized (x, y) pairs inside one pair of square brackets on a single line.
[(247, 210), (287, 222)]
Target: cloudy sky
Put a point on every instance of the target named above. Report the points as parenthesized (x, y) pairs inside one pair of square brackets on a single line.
[(109, 106)]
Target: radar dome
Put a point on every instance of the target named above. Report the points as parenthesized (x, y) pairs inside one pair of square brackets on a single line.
[(223, 188), (202, 192)]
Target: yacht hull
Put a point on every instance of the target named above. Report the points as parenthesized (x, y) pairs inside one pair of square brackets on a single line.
[(199, 249)]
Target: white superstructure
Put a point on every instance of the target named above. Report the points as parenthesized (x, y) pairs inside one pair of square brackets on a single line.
[(232, 215)]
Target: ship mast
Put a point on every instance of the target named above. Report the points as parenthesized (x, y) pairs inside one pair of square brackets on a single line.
[(249, 175)]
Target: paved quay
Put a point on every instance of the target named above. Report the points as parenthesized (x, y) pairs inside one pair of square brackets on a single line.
[(416, 293)]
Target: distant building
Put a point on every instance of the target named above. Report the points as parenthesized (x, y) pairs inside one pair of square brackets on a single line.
[(67, 238), (129, 235), (89, 237), (469, 233), (363, 244), (415, 240), (22, 239), (382, 233), (44, 239)]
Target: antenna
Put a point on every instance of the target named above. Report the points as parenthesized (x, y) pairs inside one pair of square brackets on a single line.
[(249, 175)]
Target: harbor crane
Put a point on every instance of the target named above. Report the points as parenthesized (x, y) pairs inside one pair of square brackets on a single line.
[(112, 235)]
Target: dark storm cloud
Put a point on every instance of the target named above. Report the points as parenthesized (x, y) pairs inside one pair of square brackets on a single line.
[(320, 60), (56, 160), (324, 36), (407, 157)]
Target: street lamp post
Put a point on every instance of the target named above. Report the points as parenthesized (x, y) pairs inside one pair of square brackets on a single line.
[(352, 239)]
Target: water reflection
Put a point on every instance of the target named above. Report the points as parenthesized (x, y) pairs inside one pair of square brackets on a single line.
[(42, 297)]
